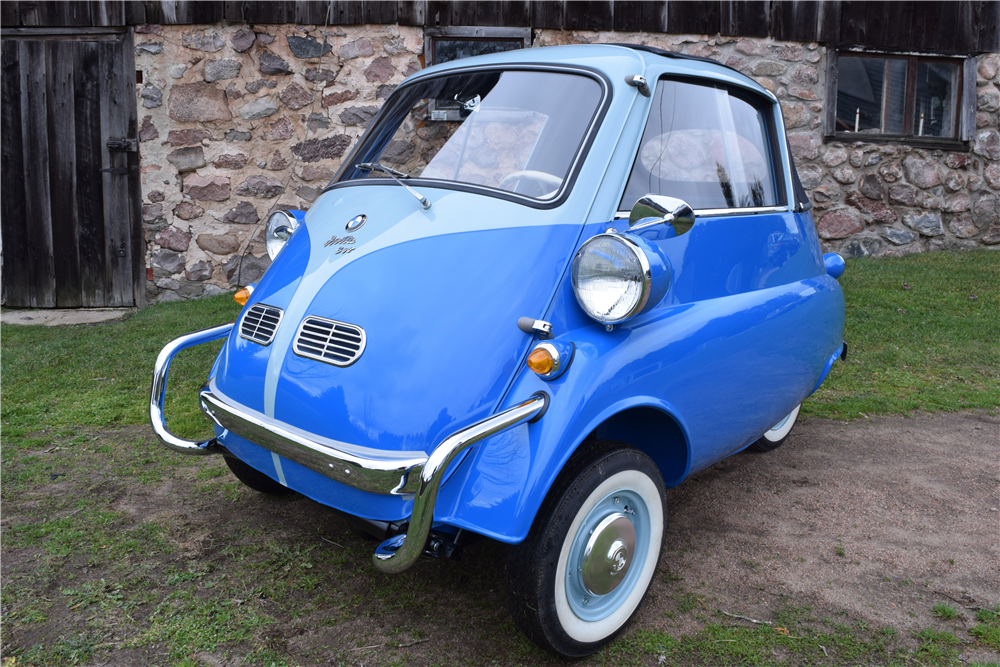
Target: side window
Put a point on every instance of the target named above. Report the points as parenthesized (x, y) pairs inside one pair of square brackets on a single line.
[(705, 145)]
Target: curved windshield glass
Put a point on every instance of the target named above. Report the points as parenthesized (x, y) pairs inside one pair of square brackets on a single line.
[(517, 131)]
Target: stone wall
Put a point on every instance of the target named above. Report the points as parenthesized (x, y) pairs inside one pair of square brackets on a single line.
[(239, 120)]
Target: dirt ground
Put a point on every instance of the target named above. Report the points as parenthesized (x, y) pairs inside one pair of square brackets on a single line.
[(875, 520), (912, 502)]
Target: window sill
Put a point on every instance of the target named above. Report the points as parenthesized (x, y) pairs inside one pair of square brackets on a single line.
[(916, 142)]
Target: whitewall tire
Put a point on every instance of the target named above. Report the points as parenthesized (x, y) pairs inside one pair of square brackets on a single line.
[(587, 563), (776, 435)]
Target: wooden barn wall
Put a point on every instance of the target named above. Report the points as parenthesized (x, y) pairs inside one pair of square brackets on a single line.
[(964, 27)]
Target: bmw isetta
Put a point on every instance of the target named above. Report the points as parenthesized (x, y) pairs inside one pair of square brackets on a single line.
[(544, 286)]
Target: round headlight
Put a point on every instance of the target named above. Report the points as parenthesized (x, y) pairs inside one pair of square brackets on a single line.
[(280, 226), (611, 278)]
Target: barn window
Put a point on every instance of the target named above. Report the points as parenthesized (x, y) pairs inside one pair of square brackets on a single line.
[(907, 98), (443, 45)]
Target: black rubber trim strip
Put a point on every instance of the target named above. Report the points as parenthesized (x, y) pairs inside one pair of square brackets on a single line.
[(802, 201), (545, 406), (671, 54)]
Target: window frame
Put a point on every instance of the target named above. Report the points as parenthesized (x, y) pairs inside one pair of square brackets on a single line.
[(344, 176), (467, 34), (763, 105), (965, 103)]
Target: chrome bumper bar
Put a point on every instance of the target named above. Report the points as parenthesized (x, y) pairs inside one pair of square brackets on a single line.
[(400, 552), (373, 471), (376, 472), (159, 391)]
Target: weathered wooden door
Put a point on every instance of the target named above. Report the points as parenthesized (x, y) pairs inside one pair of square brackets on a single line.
[(71, 201)]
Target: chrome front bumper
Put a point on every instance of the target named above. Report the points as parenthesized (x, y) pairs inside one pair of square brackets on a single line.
[(369, 470)]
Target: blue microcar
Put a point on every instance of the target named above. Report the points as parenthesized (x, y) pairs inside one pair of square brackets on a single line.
[(544, 286)]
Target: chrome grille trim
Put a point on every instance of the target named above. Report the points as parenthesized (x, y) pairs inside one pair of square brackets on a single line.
[(329, 341), (260, 323)]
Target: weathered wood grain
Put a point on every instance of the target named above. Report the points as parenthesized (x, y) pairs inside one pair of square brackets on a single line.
[(697, 18), (547, 14), (62, 171), (114, 116), (94, 277), (34, 104), (597, 15), (13, 216)]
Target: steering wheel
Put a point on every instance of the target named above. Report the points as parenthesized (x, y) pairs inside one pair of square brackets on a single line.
[(544, 182)]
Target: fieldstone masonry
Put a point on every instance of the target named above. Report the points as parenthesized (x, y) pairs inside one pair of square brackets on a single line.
[(238, 120)]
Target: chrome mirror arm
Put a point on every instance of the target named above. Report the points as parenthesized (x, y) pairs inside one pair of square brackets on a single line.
[(661, 210)]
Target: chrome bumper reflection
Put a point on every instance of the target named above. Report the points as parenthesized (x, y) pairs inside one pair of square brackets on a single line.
[(159, 391), (368, 470), (400, 552), (376, 472)]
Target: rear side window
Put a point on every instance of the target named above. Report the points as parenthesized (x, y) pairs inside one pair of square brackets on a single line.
[(706, 145)]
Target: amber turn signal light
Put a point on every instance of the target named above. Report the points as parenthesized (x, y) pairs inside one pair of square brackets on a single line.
[(242, 296), (541, 361)]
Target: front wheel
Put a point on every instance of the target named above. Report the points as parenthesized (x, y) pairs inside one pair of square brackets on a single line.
[(590, 556)]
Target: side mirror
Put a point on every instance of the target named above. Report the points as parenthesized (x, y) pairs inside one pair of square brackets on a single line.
[(661, 210)]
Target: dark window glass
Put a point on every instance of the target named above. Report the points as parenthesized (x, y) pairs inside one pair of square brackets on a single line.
[(881, 96), (705, 146), (937, 92), (446, 50)]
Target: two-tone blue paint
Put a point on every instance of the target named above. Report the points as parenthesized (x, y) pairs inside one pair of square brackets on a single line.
[(742, 334)]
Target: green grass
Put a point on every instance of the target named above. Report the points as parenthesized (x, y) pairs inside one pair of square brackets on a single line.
[(930, 347), (99, 375), (923, 333), (988, 629), (796, 638), (945, 611)]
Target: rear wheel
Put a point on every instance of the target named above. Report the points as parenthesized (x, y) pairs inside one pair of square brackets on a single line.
[(255, 479), (590, 556), (777, 434)]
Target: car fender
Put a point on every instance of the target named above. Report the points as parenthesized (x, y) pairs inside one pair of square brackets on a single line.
[(498, 488)]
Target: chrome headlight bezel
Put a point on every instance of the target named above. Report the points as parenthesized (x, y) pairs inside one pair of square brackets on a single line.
[(280, 226), (644, 271)]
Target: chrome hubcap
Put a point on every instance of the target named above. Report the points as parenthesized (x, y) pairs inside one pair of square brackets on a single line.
[(608, 554)]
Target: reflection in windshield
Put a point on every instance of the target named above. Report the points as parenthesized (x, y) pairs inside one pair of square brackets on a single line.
[(517, 131)]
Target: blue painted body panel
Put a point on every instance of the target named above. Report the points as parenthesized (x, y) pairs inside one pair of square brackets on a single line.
[(741, 335)]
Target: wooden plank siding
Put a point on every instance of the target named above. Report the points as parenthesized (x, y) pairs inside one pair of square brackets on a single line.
[(70, 210), (59, 58), (94, 282), (13, 213), (35, 139), (964, 27)]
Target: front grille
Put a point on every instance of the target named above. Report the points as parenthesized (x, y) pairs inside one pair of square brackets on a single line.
[(329, 341), (260, 323)]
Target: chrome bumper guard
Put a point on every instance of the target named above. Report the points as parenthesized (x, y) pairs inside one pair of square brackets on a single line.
[(379, 473), (159, 391), (372, 471)]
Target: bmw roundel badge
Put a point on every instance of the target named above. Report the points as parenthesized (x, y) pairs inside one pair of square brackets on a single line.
[(355, 223)]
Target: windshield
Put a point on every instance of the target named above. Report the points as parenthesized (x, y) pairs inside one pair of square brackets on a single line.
[(516, 131)]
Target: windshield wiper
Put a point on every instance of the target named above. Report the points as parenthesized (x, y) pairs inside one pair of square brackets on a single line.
[(395, 175)]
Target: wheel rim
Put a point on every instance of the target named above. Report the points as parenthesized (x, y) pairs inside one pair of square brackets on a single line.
[(583, 574)]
